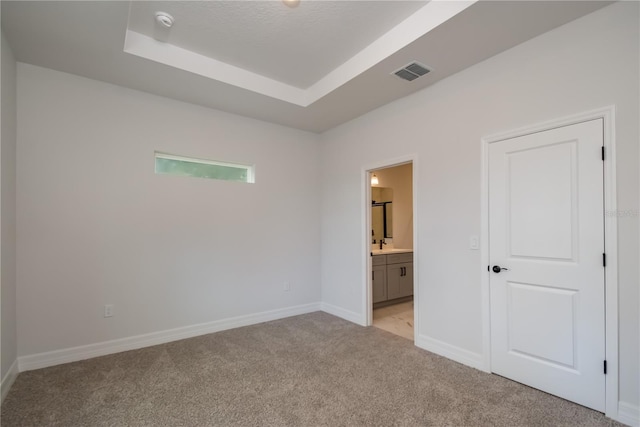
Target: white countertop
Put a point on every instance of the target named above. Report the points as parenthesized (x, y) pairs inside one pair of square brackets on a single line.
[(390, 251)]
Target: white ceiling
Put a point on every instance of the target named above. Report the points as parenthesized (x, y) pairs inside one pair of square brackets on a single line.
[(294, 46), (311, 67)]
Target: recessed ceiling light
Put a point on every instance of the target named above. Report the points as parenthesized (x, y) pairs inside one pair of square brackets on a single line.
[(291, 3), (164, 19)]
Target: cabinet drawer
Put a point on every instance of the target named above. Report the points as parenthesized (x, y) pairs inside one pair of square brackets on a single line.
[(399, 258), (379, 260)]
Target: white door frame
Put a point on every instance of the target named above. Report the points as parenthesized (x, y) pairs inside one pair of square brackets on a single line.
[(365, 203), (611, 241)]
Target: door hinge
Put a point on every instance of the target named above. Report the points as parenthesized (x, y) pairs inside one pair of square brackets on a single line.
[(604, 260), (603, 153), (605, 367)]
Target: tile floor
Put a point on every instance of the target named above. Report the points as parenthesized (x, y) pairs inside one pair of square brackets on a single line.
[(397, 319)]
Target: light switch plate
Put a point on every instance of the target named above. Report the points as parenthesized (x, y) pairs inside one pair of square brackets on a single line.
[(474, 243)]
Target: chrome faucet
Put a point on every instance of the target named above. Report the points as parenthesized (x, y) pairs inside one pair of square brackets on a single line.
[(382, 242)]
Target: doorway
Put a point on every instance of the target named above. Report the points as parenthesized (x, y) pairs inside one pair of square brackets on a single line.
[(550, 310), (391, 261)]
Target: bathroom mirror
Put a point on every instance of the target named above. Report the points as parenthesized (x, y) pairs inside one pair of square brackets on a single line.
[(381, 213)]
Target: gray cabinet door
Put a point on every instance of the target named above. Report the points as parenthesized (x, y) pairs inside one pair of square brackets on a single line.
[(394, 274), (406, 281), (399, 280), (379, 283)]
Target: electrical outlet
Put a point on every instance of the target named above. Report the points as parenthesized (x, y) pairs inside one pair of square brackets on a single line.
[(286, 286), (108, 310)]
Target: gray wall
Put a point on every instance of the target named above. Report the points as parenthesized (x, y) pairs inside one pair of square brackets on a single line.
[(587, 64), (8, 209), (97, 225)]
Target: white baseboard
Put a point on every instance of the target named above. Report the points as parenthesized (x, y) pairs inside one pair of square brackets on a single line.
[(628, 414), (351, 316), (449, 351), (57, 357), (8, 380)]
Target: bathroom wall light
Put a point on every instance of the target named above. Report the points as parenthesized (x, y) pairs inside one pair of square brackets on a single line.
[(291, 3), (374, 180)]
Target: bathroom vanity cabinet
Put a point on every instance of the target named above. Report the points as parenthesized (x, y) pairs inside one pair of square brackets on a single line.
[(392, 276)]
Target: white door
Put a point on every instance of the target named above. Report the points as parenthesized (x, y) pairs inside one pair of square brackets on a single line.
[(546, 226)]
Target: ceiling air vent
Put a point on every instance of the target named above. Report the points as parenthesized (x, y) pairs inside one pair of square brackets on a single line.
[(412, 71)]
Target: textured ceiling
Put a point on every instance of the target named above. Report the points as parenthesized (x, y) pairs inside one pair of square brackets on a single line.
[(87, 38), (297, 46)]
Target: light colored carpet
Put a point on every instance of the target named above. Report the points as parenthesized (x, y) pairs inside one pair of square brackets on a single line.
[(309, 370)]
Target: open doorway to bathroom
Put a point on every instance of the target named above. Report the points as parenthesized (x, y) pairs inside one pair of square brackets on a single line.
[(391, 251)]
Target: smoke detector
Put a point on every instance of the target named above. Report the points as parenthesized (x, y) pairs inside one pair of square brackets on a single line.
[(412, 71), (164, 19)]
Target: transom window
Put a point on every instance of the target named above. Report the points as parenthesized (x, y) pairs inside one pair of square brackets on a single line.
[(202, 168)]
